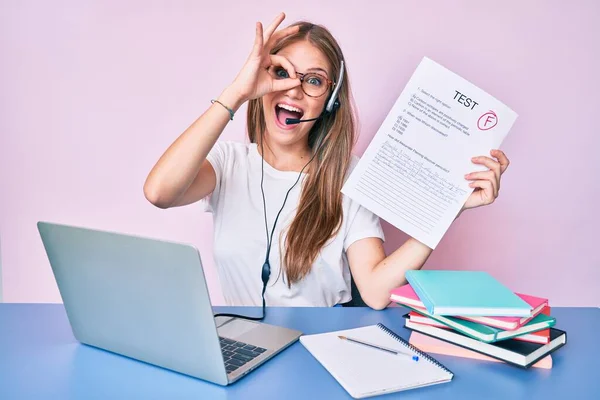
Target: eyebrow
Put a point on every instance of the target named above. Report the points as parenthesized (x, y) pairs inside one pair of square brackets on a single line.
[(314, 69), (318, 69)]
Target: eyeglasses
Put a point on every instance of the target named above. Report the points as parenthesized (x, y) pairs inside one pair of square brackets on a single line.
[(313, 84)]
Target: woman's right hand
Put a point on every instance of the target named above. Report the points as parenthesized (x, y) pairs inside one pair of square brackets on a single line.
[(254, 79)]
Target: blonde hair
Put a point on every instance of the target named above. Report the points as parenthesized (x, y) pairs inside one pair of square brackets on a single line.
[(319, 214)]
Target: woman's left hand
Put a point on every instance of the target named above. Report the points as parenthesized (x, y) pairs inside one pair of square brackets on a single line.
[(486, 183)]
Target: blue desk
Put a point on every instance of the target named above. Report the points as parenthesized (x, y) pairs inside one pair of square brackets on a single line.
[(40, 359)]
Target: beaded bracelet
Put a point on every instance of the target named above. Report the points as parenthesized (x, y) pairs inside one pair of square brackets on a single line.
[(227, 108)]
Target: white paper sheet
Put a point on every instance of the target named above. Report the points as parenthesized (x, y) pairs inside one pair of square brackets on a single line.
[(412, 173)]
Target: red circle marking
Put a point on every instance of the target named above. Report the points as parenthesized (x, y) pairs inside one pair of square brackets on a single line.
[(482, 125)]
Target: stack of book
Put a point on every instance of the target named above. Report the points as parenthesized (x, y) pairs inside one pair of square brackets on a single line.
[(474, 311)]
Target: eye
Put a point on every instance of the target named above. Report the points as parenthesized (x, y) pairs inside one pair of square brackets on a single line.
[(281, 73), (314, 80)]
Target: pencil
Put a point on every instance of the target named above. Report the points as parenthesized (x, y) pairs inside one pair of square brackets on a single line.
[(396, 352)]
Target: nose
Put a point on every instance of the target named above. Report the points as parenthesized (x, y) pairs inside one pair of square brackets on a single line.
[(296, 92)]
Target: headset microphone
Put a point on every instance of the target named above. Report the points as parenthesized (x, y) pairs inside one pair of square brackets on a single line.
[(292, 121)]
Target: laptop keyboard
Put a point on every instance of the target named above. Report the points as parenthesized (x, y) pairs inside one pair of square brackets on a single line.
[(236, 354)]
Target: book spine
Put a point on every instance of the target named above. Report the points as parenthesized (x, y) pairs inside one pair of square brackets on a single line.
[(421, 293)]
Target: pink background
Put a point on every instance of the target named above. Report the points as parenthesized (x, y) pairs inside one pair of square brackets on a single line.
[(92, 93)]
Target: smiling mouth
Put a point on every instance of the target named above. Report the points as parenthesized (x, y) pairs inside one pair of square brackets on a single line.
[(283, 111)]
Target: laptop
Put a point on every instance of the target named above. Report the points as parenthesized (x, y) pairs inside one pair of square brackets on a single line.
[(147, 299)]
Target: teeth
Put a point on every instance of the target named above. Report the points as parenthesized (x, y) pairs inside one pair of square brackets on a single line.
[(289, 108)]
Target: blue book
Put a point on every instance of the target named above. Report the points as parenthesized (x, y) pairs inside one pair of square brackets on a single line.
[(466, 293)]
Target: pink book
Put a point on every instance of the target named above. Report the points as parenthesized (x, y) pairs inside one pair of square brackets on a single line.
[(432, 345), (406, 295)]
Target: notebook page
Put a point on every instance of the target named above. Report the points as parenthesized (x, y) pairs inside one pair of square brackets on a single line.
[(365, 371)]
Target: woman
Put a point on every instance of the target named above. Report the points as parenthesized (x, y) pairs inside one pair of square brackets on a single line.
[(281, 223)]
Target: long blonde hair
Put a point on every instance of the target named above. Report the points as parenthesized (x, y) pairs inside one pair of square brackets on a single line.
[(319, 214)]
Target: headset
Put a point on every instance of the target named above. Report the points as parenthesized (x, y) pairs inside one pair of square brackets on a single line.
[(333, 104)]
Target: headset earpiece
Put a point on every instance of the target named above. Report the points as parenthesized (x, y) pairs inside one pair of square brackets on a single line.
[(334, 103)]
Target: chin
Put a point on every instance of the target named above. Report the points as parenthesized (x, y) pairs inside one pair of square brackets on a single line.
[(284, 136)]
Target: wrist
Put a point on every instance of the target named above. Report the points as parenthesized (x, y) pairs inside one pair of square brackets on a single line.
[(232, 98)]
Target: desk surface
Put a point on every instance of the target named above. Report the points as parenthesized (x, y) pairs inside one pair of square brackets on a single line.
[(39, 358)]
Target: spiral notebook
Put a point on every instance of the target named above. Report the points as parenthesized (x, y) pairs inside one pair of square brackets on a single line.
[(364, 371)]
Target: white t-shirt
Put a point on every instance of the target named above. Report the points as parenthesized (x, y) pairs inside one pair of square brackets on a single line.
[(240, 238)]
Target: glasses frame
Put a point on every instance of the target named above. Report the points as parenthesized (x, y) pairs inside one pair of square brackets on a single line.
[(330, 83)]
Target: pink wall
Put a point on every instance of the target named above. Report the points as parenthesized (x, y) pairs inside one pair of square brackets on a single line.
[(92, 93)]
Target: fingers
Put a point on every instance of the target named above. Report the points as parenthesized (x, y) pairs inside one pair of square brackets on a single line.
[(488, 182), (493, 165), (486, 191), (290, 30), (488, 162), (486, 175), (269, 37), (278, 19), (258, 40), (282, 61), (502, 159), (285, 84)]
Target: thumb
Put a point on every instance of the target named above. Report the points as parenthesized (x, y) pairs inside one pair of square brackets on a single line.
[(285, 84)]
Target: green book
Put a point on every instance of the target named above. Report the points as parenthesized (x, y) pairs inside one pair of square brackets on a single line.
[(486, 333)]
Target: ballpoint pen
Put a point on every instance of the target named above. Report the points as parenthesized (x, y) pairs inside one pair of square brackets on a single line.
[(396, 352)]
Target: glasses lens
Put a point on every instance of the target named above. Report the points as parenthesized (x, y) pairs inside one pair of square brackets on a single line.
[(314, 84)]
